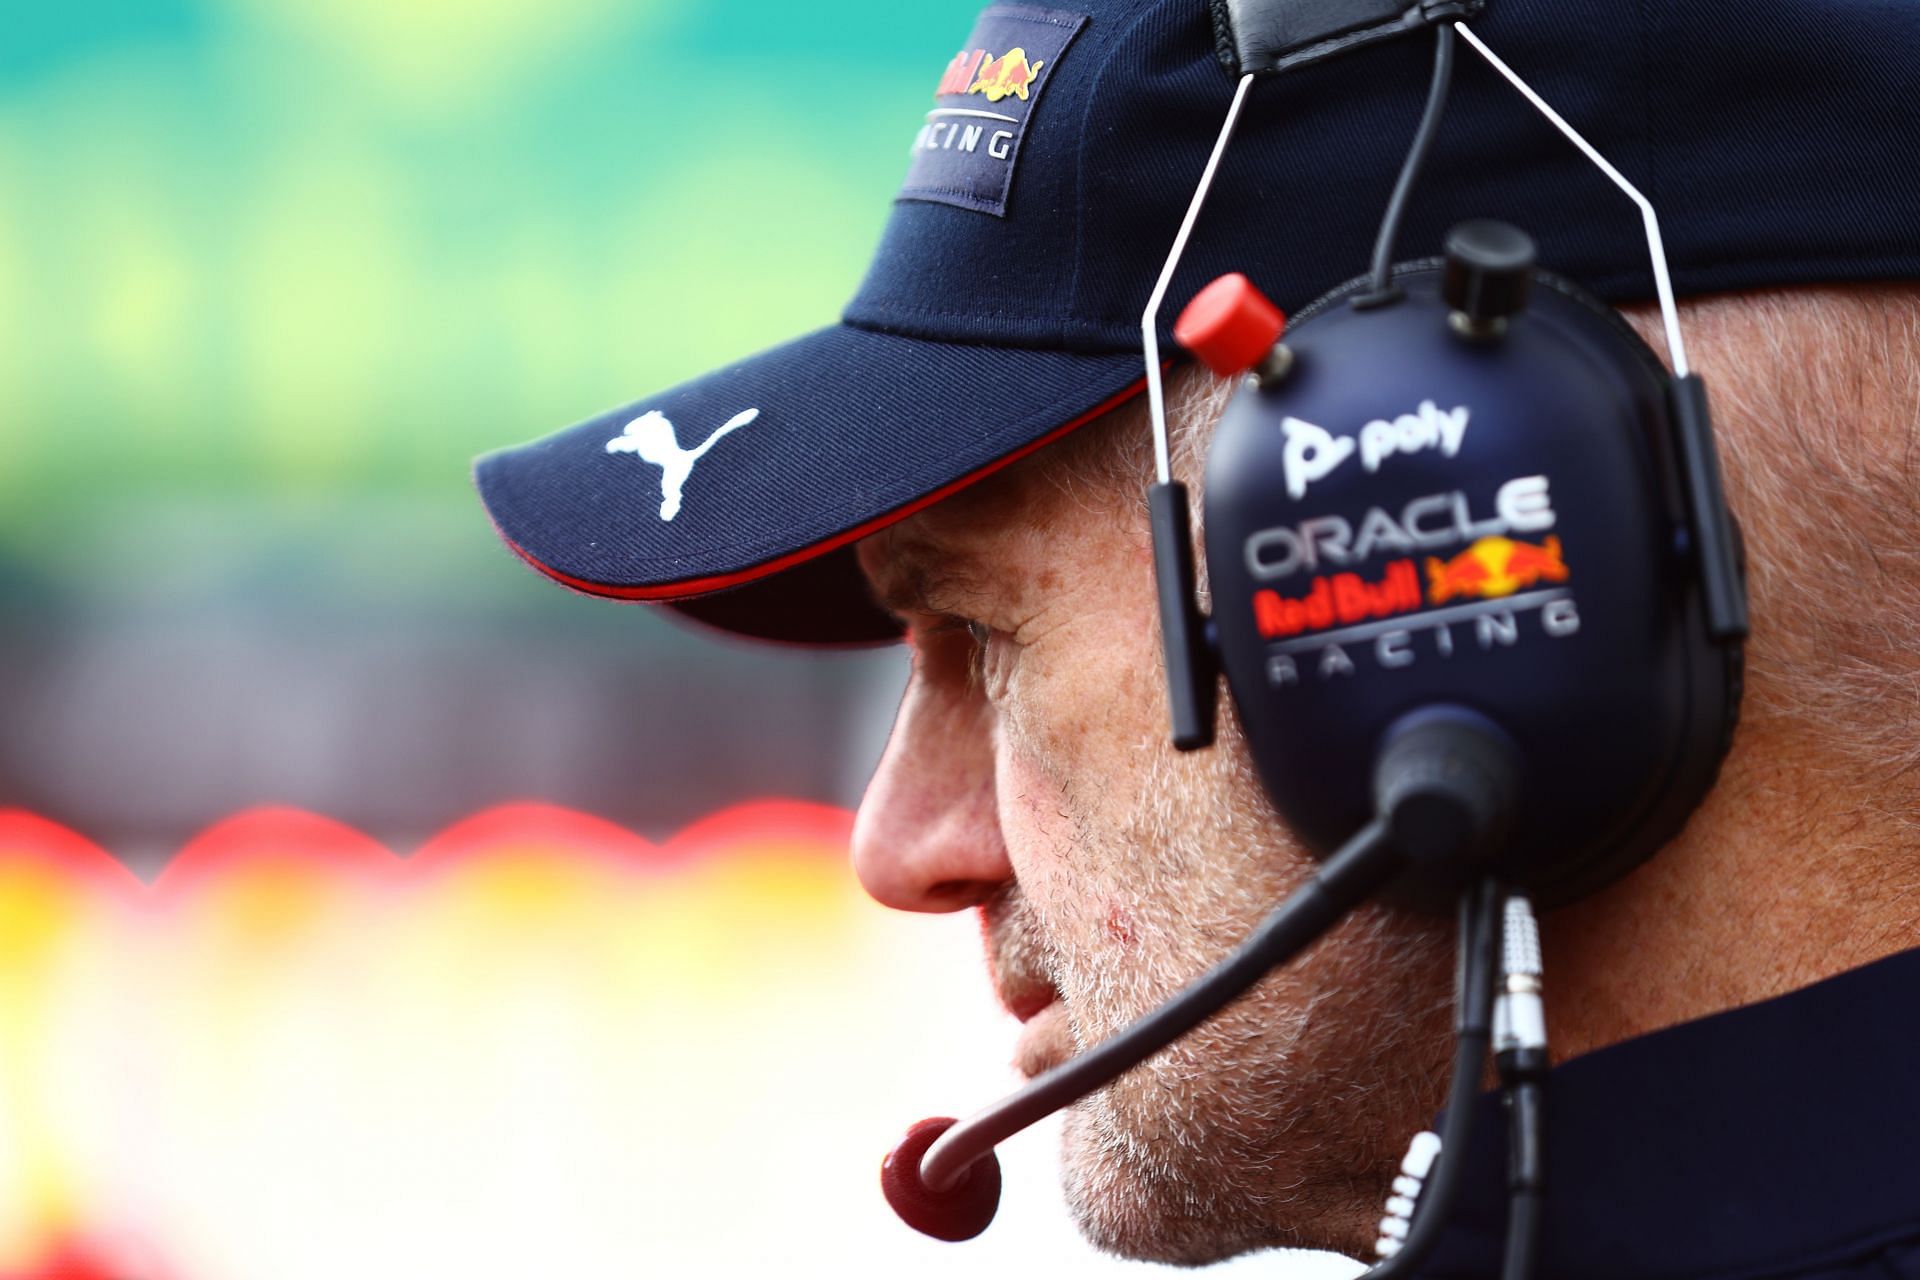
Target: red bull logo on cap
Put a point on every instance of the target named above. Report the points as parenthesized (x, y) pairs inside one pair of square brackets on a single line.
[(978, 71), (969, 144), (1494, 567)]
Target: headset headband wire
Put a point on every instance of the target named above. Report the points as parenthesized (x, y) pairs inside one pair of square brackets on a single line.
[(1656, 248), (1149, 333)]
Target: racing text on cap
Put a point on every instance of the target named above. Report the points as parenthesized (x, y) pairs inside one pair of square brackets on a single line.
[(965, 150)]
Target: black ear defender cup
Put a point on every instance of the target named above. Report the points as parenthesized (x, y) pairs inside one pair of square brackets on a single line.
[(1482, 492)]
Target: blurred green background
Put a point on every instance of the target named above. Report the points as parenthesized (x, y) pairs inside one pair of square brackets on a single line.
[(273, 271)]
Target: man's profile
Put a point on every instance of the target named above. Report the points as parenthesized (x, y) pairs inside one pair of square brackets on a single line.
[(1731, 1022)]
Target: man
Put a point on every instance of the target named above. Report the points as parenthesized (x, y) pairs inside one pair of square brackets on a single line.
[(1029, 774)]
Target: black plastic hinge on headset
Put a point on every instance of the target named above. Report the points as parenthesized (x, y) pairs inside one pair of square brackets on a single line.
[(1262, 36), (1193, 670), (1716, 539)]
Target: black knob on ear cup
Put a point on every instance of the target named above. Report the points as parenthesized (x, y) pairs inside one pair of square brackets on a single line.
[(1489, 272)]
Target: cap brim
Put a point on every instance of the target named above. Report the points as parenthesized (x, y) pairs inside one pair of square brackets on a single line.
[(779, 460)]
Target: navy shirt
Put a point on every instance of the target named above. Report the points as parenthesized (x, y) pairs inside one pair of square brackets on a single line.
[(1780, 1139)]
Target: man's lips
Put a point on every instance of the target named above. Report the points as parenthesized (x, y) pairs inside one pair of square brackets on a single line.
[(1015, 954), (1045, 1041), (1023, 1004)]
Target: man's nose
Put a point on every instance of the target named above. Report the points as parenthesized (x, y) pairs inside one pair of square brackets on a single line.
[(927, 837)]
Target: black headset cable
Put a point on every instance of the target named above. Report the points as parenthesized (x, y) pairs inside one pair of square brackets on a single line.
[(1520, 1053), (1472, 1031), (1382, 288)]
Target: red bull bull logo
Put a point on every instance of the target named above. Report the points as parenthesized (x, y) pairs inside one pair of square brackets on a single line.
[(1007, 76), (976, 71), (1494, 567)]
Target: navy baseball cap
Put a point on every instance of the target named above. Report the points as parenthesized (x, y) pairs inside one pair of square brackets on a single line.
[(1779, 139)]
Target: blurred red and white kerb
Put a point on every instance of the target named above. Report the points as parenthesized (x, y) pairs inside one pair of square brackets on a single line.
[(539, 1045)]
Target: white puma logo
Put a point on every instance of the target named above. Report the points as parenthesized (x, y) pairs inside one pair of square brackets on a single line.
[(651, 437)]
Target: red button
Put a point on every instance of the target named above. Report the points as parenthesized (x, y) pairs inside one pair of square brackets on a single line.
[(1230, 325)]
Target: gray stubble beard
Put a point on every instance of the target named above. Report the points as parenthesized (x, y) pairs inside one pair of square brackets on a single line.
[(1277, 1122)]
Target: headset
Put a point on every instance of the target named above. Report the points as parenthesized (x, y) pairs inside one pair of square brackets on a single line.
[(1476, 598)]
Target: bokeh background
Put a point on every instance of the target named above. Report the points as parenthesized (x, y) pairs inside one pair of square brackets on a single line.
[(273, 271), (368, 905)]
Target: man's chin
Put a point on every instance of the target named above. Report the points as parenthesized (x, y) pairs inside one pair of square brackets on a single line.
[(1126, 1205)]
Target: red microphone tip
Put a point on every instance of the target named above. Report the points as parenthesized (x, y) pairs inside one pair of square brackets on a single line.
[(1230, 325), (959, 1213)]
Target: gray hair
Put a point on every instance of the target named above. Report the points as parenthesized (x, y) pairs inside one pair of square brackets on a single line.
[(1817, 400)]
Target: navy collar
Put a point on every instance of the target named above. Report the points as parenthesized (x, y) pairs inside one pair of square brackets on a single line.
[(1777, 1139)]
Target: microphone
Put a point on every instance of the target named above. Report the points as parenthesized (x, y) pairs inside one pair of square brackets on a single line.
[(961, 1210), (1444, 787)]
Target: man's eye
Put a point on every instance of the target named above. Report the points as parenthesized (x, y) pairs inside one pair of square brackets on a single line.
[(979, 632), (979, 640)]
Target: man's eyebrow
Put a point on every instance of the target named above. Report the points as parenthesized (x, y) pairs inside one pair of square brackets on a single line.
[(910, 588), (921, 579)]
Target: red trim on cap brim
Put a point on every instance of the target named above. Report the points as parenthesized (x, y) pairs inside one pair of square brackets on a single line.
[(721, 581)]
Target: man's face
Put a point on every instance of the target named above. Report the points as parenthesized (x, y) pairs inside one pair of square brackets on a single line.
[(1029, 775)]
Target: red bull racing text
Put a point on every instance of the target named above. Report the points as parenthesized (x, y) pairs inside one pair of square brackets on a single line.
[(1488, 595)]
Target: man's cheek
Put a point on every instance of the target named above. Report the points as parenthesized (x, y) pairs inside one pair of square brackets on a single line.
[(1055, 861), (1066, 864), (1077, 706), (1039, 830)]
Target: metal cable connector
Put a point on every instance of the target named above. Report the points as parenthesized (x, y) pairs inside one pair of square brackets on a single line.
[(1519, 1013), (1520, 1053), (1520, 938)]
